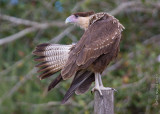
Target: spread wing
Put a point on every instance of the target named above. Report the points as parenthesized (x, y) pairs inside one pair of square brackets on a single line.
[(100, 38)]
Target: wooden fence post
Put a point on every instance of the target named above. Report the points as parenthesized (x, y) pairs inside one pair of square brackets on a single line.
[(104, 104)]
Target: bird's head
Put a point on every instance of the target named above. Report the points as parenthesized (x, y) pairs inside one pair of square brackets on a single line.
[(81, 19)]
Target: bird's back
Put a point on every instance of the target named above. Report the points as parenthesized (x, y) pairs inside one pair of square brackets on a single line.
[(97, 47)]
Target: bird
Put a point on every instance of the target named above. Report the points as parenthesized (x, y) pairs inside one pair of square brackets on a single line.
[(85, 60)]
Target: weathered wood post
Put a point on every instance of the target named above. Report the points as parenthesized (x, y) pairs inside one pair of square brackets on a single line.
[(104, 104)]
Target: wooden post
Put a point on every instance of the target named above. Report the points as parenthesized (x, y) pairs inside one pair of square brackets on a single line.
[(104, 104)]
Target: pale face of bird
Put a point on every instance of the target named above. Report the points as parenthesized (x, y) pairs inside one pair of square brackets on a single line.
[(80, 19)]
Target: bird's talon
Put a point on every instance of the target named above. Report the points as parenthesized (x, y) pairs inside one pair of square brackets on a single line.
[(114, 90), (97, 89)]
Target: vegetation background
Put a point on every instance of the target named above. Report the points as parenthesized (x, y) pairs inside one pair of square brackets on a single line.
[(135, 73)]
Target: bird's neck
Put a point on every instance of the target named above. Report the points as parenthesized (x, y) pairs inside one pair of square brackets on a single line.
[(84, 22)]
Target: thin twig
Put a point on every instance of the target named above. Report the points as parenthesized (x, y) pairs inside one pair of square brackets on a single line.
[(17, 35), (123, 6), (49, 104), (153, 39), (72, 37), (48, 4), (77, 6), (134, 84), (112, 67), (42, 25), (62, 34), (134, 4)]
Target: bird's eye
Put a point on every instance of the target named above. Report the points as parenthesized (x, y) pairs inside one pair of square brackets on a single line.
[(76, 16)]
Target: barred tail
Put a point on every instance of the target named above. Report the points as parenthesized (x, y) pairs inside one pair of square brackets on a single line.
[(52, 58)]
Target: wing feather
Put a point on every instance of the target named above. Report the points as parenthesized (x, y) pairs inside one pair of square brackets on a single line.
[(80, 77), (84, 87)]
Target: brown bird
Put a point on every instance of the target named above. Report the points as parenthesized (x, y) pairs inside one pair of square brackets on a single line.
[(85, 60)]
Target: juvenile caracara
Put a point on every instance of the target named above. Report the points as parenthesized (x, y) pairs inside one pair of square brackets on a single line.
[(85, 60)]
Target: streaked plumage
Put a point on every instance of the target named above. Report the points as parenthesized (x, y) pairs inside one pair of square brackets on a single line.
[(52, 58), (90, 56)]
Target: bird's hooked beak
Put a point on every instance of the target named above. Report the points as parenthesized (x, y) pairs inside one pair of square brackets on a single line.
[(70, 19)]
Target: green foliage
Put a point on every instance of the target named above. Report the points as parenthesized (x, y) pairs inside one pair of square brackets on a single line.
[(135, 78)]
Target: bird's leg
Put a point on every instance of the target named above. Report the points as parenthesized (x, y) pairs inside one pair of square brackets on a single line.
[(100, 80), (97, 85), (101, 84)]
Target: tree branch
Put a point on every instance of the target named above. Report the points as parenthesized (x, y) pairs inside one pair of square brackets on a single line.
[(123, 6), (17, 35), (62, 34), (49, 104), (31, 23)]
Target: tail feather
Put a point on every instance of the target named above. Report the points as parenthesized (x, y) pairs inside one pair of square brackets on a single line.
[(51, 52), (46, 75), (42, 64), (77, 81), (54, 82), (47, 46), (84, 87), (51, 65), (47, 71), (52, 58)]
